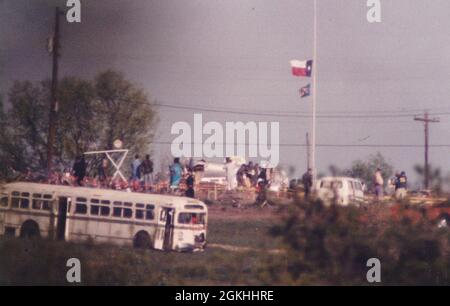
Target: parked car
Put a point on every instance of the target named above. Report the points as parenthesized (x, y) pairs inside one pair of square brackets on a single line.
[(343, 190)]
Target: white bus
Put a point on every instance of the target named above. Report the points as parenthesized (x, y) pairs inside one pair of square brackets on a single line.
[(103, 216)]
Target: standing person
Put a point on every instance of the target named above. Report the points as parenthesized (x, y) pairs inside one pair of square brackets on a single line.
[(263, 176), (190, 180), (250, 172), (240, 174), (256, 175), (307, 181), (379, 184), (102, 172), (401, 186), (230, 169), (79, 170), (176, 172), (135, 168), (147, 171)]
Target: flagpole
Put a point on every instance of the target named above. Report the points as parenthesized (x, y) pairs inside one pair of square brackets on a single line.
[(314, 92)]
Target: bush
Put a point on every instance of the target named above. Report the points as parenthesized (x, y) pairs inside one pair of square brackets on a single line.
[(331, 245)]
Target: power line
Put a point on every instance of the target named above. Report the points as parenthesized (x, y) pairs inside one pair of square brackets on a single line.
[(414, 111), (323, 145), (274, 114)]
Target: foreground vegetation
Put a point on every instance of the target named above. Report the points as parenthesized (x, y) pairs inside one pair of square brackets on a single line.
[(319, 246)]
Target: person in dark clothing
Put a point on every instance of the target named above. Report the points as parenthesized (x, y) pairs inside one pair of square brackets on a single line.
[(103, 172), (79, 169), (401, 186), (307, 181), (263, 175), (240, 175), (190, 185), (147, 171)]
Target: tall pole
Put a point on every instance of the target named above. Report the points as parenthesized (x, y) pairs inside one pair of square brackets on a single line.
[(54, 93), (314, 91), (426, 120), (308, 152)]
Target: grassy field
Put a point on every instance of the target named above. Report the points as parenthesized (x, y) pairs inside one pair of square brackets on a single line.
[(315, 245), (43, 262)]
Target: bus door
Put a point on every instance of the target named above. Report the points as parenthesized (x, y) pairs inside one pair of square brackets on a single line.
[(164, 232), (63, 205)]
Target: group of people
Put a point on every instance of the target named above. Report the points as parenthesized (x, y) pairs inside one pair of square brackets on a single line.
[(400, 183), (178, 172), (142, 171), (141, 175), (246, 175)]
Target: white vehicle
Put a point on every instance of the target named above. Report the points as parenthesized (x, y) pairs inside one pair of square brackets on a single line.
[(103, 216), (345, 190)]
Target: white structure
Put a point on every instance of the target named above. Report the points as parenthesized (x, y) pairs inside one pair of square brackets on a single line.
[(101, 215), (116, 164), (344, 190)]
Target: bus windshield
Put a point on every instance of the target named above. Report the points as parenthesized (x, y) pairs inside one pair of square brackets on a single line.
[(191, 218)]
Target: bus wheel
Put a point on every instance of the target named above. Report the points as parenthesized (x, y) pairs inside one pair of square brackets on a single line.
[(142, 240), (30, 229)]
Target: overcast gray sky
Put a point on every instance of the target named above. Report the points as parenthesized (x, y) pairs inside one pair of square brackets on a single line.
[(234, 54)]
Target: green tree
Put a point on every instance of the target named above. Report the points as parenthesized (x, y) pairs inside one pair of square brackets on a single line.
[(77, 125), (365, 170), (10, 150), (91, 115), (124, 111), (27, 122)]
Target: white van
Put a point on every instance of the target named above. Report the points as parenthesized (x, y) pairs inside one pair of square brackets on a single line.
[(345, 190)]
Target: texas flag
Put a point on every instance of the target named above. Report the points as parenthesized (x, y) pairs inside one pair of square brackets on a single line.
[(301, 68)]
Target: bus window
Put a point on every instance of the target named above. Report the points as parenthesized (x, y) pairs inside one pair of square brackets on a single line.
[(149, 212), (191, 218), (15, 199), (140, 212), (46, 202), (36, 204), (81, 206), (104, 211), (127, 212), (95, 209), (100, 207), (25, 201), (145, 211), (122, 211), (4, 201)]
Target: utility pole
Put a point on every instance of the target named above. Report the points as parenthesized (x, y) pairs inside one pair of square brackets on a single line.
[(426, 120), (54, 92)]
